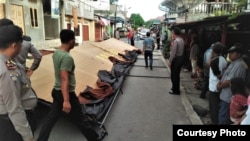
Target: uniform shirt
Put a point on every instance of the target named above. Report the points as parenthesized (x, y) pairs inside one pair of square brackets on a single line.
[(28, 47), (236, 68), (217, 64), (63, 61), (10, 99), (177, 49), (148, 43), (28, 96)]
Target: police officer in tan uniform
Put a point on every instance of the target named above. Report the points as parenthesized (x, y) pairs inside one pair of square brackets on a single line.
[(13, 121)]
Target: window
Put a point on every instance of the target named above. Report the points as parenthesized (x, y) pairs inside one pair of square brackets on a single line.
[(16, 15), (33, 1), (33, 17)]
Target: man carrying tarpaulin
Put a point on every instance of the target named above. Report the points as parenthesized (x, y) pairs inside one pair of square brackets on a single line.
[(63, 93)]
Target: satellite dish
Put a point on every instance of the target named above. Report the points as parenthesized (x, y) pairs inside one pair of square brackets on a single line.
[(179, 6)]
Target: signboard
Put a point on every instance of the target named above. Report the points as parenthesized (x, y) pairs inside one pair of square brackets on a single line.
[(55, 11), (118, 25)]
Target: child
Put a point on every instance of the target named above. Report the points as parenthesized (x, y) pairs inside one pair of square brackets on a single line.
[(246, 118), (238, 103)]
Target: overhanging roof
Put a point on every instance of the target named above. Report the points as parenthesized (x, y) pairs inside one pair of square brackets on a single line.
[(242, 18), (178, 6), (205, 21), (112, 18)]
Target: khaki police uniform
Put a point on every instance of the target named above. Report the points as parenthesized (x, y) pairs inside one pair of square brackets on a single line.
[(13, 101)]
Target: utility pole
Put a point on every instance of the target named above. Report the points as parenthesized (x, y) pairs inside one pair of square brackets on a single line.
[(115, 2), (115, 14)]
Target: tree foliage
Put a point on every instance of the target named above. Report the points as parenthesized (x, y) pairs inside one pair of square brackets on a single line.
[(113, 1), (136, 20), (241, 5), (148, 23)]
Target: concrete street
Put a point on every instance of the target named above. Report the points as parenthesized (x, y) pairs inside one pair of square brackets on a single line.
[(144, 112)]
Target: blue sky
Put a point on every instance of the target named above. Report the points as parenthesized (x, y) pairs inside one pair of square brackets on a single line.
[(148, 9)]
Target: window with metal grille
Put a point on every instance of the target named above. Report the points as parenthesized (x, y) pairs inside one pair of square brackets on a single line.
[(33, 17)]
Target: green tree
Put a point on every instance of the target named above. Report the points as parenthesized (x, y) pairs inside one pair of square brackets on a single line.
[(241, 5), (136, 20), (113, 1), (148, 23)]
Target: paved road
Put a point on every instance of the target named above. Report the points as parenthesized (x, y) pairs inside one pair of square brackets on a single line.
[(144, 112)]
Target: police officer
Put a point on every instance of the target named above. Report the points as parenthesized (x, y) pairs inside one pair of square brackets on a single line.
[(13, 121), (27, 47), (28, 96)]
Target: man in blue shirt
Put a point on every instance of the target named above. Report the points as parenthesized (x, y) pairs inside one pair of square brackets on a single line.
[(148, 47)]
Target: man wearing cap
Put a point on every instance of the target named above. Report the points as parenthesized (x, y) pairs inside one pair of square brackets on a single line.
[(13, 121), (237, 68)]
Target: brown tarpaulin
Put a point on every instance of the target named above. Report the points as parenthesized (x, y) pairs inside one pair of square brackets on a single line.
[(89, 59)]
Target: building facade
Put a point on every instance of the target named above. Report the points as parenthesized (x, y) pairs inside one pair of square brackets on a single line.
[(28, 14), (42, 20)]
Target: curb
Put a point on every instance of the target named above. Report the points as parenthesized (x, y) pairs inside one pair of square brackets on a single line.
[(192, 115)]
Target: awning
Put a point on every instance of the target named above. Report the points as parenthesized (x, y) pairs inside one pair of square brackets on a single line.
[(111, 18), (104, 21), (117, 19)]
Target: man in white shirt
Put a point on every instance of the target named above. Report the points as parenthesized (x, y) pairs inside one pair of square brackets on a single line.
[(217, 66)]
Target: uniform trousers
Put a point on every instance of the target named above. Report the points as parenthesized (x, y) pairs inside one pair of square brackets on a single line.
[(176, 66)]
